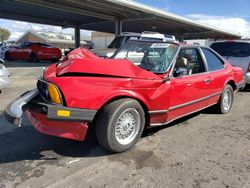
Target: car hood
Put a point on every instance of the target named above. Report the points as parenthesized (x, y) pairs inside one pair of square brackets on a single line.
[(81, 62), (104, 52)]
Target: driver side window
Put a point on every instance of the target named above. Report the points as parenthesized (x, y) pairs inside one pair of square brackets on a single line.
[(188, 62)]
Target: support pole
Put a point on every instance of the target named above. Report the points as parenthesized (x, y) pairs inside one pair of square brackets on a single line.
[(118, 27), (77, 36)]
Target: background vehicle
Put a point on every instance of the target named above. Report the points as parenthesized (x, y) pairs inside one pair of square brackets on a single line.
[(33, 52), (4, 46), (237, 53), (88, 45), (4, 76), (147, 83), (124, 37)]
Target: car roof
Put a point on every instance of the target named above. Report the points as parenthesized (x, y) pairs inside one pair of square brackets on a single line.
[(148, 34), (191, 45), (225, 41)]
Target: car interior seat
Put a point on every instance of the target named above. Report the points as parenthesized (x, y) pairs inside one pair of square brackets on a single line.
[(181, 67)]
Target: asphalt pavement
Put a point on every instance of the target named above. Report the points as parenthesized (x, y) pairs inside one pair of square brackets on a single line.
[(201, 150)]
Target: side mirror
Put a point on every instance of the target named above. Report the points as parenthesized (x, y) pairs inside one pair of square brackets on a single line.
[(166, 79)]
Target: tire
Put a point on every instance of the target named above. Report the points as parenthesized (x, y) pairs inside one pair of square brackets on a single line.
[(54, 60), (33, 58), (226, 100), (247, 87), (111, 129), (7, 56)]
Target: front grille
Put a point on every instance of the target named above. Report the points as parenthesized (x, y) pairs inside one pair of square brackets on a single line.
[(43, 89)]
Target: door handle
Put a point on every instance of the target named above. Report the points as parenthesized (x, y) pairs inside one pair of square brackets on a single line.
[(189, 84), (207, 81)]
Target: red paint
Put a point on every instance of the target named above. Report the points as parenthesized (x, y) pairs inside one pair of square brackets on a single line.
[(41, 52), (70, 130), (103, 80)]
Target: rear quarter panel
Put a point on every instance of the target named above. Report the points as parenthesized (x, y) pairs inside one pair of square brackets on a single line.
[(47, 52)]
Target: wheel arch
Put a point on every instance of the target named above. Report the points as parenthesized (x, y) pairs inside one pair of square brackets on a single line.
[(33, 53), (143, 103), (231, 83)]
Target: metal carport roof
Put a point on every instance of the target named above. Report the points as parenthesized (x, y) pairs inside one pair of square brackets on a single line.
[(101, 15)]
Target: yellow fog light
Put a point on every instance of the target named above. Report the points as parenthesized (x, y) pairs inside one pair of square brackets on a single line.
[(54, 94)]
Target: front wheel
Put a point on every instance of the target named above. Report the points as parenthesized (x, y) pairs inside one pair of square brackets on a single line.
[(120, 124), (226, 100), (7, 56), (34, 58)]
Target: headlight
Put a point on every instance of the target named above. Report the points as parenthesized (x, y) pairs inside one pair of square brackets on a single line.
[(54, 94)]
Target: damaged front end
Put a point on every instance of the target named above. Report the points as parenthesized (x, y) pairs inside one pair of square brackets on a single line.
[(47, 116), (14, 111)]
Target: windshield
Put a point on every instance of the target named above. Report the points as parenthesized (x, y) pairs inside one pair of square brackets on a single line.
[(149, 55), (116, 43), (233, 49)]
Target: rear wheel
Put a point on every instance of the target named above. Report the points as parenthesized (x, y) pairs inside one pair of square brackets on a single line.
[(54, 60), (226, 100), (7, 56), (120, 125), (33, 58)]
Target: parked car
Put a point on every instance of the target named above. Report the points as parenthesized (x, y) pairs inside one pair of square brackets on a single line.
[(125, 36), (34, 52), (4, 76), (147, 83), (88, 45), (4, 46), (237, 53)]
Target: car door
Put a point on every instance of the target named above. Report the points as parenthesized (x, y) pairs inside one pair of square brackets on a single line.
[(189, 88), (21, 52), (217, 75), (24, 52)]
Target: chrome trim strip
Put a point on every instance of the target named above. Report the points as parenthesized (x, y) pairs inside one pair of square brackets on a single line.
[(193, 102), (159, 124), (183, 105), (13, 112), (157, 111)]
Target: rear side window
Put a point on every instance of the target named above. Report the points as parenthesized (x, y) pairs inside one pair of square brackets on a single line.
[(213, 62), (232, 49)]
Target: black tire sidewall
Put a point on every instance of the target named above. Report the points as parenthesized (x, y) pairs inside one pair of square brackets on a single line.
[(7, 56), (114, 145), (222, 109), (33, 57)]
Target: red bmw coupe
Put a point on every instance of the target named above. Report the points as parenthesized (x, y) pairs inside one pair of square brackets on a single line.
[(146, 83), (34, 52)]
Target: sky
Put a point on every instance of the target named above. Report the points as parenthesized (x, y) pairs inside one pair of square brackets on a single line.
[(230, 15)]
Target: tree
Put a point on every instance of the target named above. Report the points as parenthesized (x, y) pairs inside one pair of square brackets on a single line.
[(4, 34)]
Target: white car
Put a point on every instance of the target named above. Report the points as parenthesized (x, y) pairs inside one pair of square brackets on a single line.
[(237, 52), (4, 76), (125, 36)]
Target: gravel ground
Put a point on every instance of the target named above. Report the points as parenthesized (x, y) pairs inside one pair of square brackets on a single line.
[(201, 150)]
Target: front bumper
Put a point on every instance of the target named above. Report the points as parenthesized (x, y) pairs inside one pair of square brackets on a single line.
[(247, 77), (4, 78), (241, 84), (50, 119), (4, 81)]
